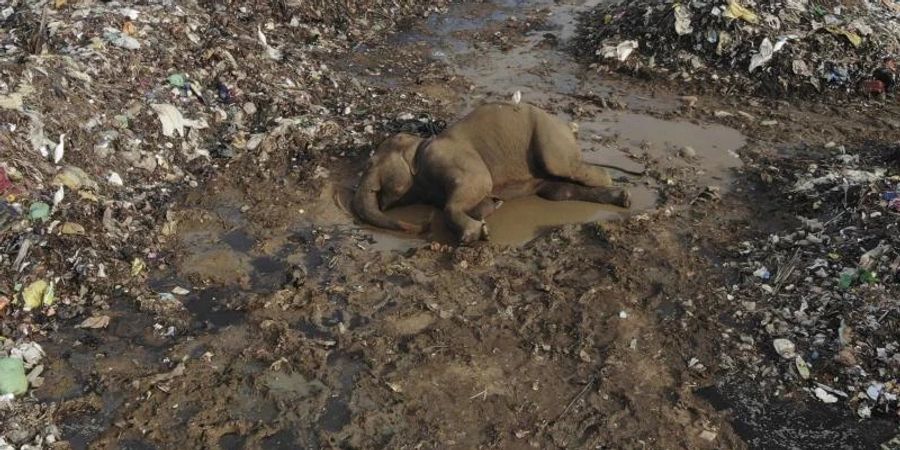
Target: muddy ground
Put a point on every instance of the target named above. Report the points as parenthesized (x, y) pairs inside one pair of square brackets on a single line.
[(579, 326)]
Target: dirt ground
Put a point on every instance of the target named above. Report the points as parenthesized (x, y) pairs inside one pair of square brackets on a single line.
[(578, 326)]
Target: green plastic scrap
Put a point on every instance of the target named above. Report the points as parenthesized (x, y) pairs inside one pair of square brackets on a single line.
[(177, 80), (12, 377), (39, 211)]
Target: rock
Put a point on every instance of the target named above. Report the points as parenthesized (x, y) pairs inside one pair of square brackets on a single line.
[(785, 348), (824, 396), (687, 152), (708, 435)]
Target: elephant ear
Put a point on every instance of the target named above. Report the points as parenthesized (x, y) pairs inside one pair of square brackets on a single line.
[(412, 148)]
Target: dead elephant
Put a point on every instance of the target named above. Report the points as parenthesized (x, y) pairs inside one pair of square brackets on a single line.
[(498, 152)]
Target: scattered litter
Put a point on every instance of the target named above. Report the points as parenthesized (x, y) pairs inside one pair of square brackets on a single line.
[(163, 377), (874, 390), (29, 352), (120, 39), (785, 348), (12, 377), (58, 196), (785, 47), (621, 51), (271, 52), (95, 322), (736, 11), (115, 179), (38, 293), (824, 396), (71, 228), (60, 149), (802, 367), (177, 80), (683, 20), (178, 290), (173, 122), (74, 179), (708, 435), (835, 287), (765, 54), (39, 211)]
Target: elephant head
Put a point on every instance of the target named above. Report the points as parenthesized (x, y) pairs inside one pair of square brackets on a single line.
[(387, 179)]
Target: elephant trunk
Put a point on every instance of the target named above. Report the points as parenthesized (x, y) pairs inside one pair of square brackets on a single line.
[(365, 205)]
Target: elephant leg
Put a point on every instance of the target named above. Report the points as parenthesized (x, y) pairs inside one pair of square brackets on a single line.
[(460, 203), (562, 190), (560, 155), (484, 209), (591, 176)]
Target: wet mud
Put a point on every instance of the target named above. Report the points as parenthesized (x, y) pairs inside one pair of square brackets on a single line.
[(303, 329)]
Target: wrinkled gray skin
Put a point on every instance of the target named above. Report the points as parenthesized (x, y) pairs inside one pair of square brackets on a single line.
[(498, 152)]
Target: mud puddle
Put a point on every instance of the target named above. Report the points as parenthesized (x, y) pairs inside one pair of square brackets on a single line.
[(225, 244), (547, 76)]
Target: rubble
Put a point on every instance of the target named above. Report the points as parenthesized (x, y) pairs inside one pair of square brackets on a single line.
[(770, 47), (832, 310), (109, 112)]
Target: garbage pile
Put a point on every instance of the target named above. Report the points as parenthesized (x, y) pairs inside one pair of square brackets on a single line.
[(822, 299), (108, 110), (766, 47)]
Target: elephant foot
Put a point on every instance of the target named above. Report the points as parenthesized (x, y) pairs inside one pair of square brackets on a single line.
[(474, 231), (413, 228), (623, 199)]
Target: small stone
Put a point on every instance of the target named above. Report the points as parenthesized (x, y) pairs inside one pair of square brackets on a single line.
[(178, 290), (824, 396), (584, 356), (864, 411), (802, 367), (785, 348), (114, 179), (687, 152), (708, 435), (874, 390)]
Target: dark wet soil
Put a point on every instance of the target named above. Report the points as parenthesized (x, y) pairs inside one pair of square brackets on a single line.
[(572, 329)]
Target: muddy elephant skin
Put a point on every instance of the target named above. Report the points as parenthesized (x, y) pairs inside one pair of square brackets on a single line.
[(498, 152)]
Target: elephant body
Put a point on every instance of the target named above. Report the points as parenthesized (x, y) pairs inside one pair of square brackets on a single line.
[(497, 152)]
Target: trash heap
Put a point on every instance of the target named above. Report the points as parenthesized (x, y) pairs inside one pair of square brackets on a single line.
[(822, 300), (109, 110), (766, 47)]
